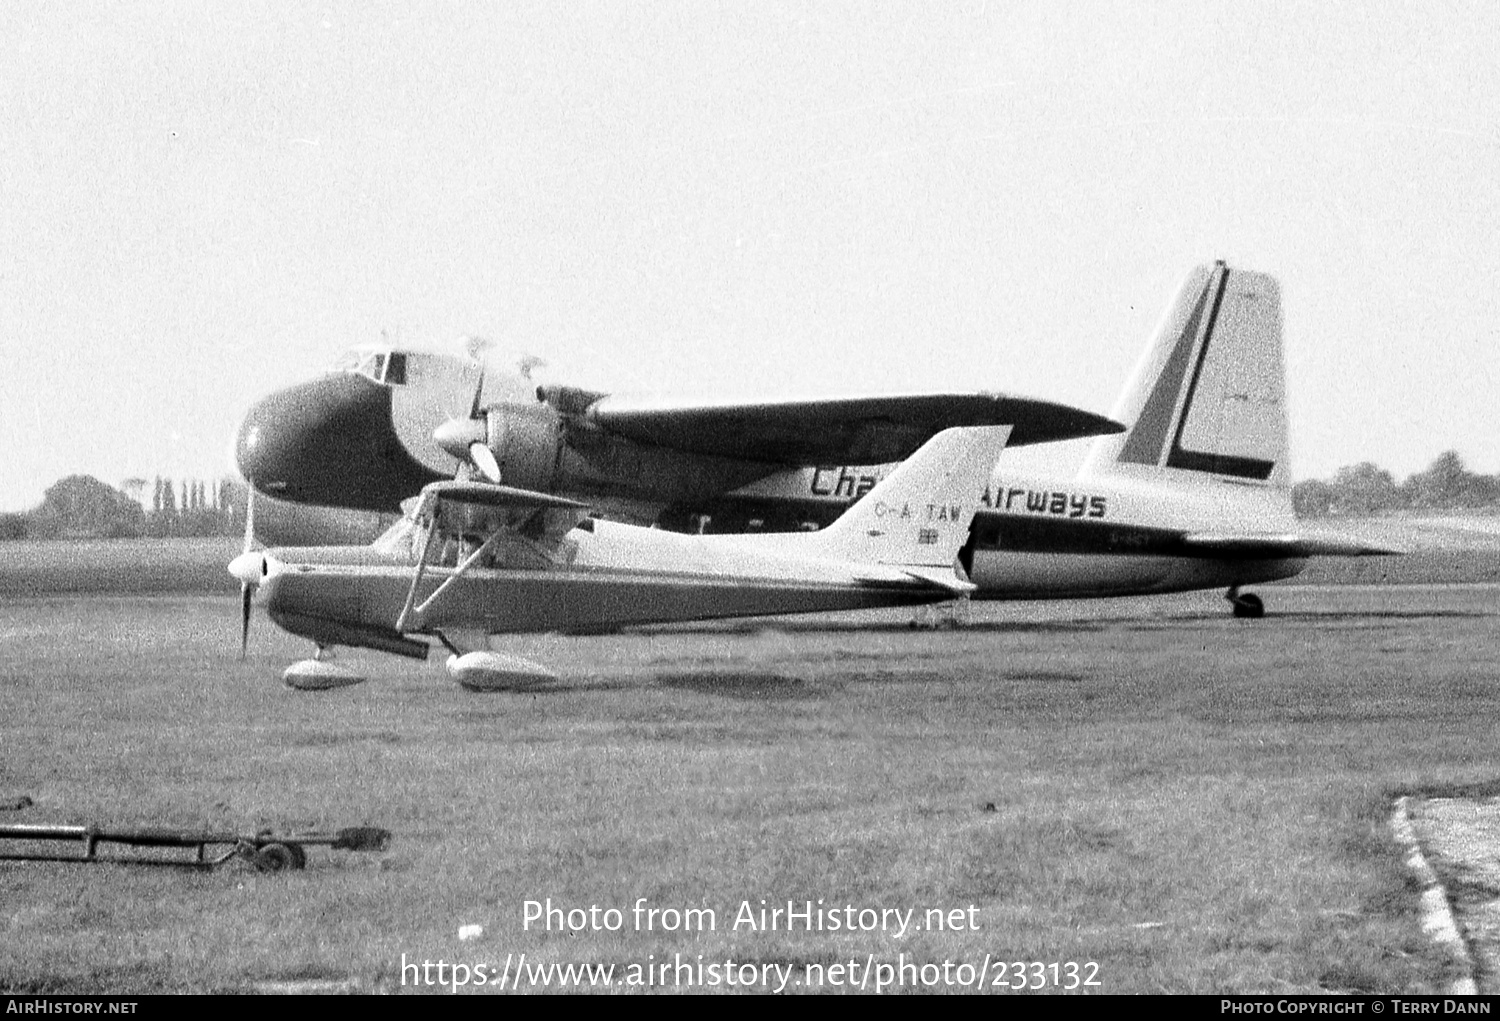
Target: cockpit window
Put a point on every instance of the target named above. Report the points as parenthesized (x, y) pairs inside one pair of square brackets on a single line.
[(381, 366)]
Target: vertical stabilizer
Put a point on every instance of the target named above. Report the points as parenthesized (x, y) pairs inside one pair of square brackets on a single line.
[(1208, 398), (919, 515)]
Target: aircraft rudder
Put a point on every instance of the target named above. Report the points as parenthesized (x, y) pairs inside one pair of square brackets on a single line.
[(921, 513), (1208, 396)]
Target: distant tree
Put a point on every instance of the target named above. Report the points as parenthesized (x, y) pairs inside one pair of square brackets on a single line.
[(1447, 483), (156, 497), (133, 488), (168, 499), (232, 501), (1313, 499), (1364, 488), (1486, 490), (12, 526), (81, 505), (198, 517)]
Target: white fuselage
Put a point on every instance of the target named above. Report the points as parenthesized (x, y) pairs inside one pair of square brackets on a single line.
[(1050, 537)]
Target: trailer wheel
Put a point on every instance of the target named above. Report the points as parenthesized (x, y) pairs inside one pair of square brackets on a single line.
[(280, 857)]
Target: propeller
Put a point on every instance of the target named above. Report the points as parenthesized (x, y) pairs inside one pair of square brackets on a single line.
[(467, 439), (249, 567)]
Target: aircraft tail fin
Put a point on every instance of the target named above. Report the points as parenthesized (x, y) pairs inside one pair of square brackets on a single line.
[(919, 515), (1207, 400)]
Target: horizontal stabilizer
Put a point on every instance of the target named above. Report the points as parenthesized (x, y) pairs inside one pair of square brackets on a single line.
[(1271, 545), (943, 578)]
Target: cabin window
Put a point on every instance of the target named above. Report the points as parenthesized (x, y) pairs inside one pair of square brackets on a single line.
[(395, 369)]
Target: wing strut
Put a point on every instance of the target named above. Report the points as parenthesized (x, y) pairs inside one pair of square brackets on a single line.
[(411, 593), (458, 572)]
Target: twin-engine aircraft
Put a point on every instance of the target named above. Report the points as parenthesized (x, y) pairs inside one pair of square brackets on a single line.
[(1195, 494), (475, 558), (385, 423)]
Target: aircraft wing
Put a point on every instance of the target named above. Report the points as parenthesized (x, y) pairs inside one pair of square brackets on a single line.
[(487, 507), (836, 430), (1282, 544), (491, 494)]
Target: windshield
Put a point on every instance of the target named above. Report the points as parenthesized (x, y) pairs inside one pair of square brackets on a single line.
[(402, 540), (382, 366)]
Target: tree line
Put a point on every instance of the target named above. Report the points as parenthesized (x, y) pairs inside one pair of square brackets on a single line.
[(1365, 488), (82, 507)]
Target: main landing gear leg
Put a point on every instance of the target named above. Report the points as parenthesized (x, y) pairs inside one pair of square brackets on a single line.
[(1245, 604)]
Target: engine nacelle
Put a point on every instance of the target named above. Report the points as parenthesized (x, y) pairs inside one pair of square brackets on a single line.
[(570, 400), (526, 440)]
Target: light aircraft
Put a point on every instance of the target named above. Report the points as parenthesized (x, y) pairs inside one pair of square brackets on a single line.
[(1195, 494), (474, 557)]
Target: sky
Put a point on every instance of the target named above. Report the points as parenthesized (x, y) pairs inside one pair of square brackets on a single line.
[(200, 203)]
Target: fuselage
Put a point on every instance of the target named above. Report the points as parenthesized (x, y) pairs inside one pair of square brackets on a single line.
[(1046, 537), (610, 575), (1042, 538)]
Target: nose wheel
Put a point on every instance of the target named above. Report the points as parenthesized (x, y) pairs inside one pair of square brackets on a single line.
[(1245, 604)]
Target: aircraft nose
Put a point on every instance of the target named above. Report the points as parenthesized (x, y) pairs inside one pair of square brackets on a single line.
[(328, 441)]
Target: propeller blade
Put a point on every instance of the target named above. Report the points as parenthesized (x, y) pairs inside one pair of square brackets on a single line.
[(249, 516), (247, 567), (484, 459), (474, 408), (467, 439), (478, 348), (245, 591)]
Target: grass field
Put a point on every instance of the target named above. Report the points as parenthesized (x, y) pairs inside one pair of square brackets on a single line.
[(33, 568), (1190, 802)]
